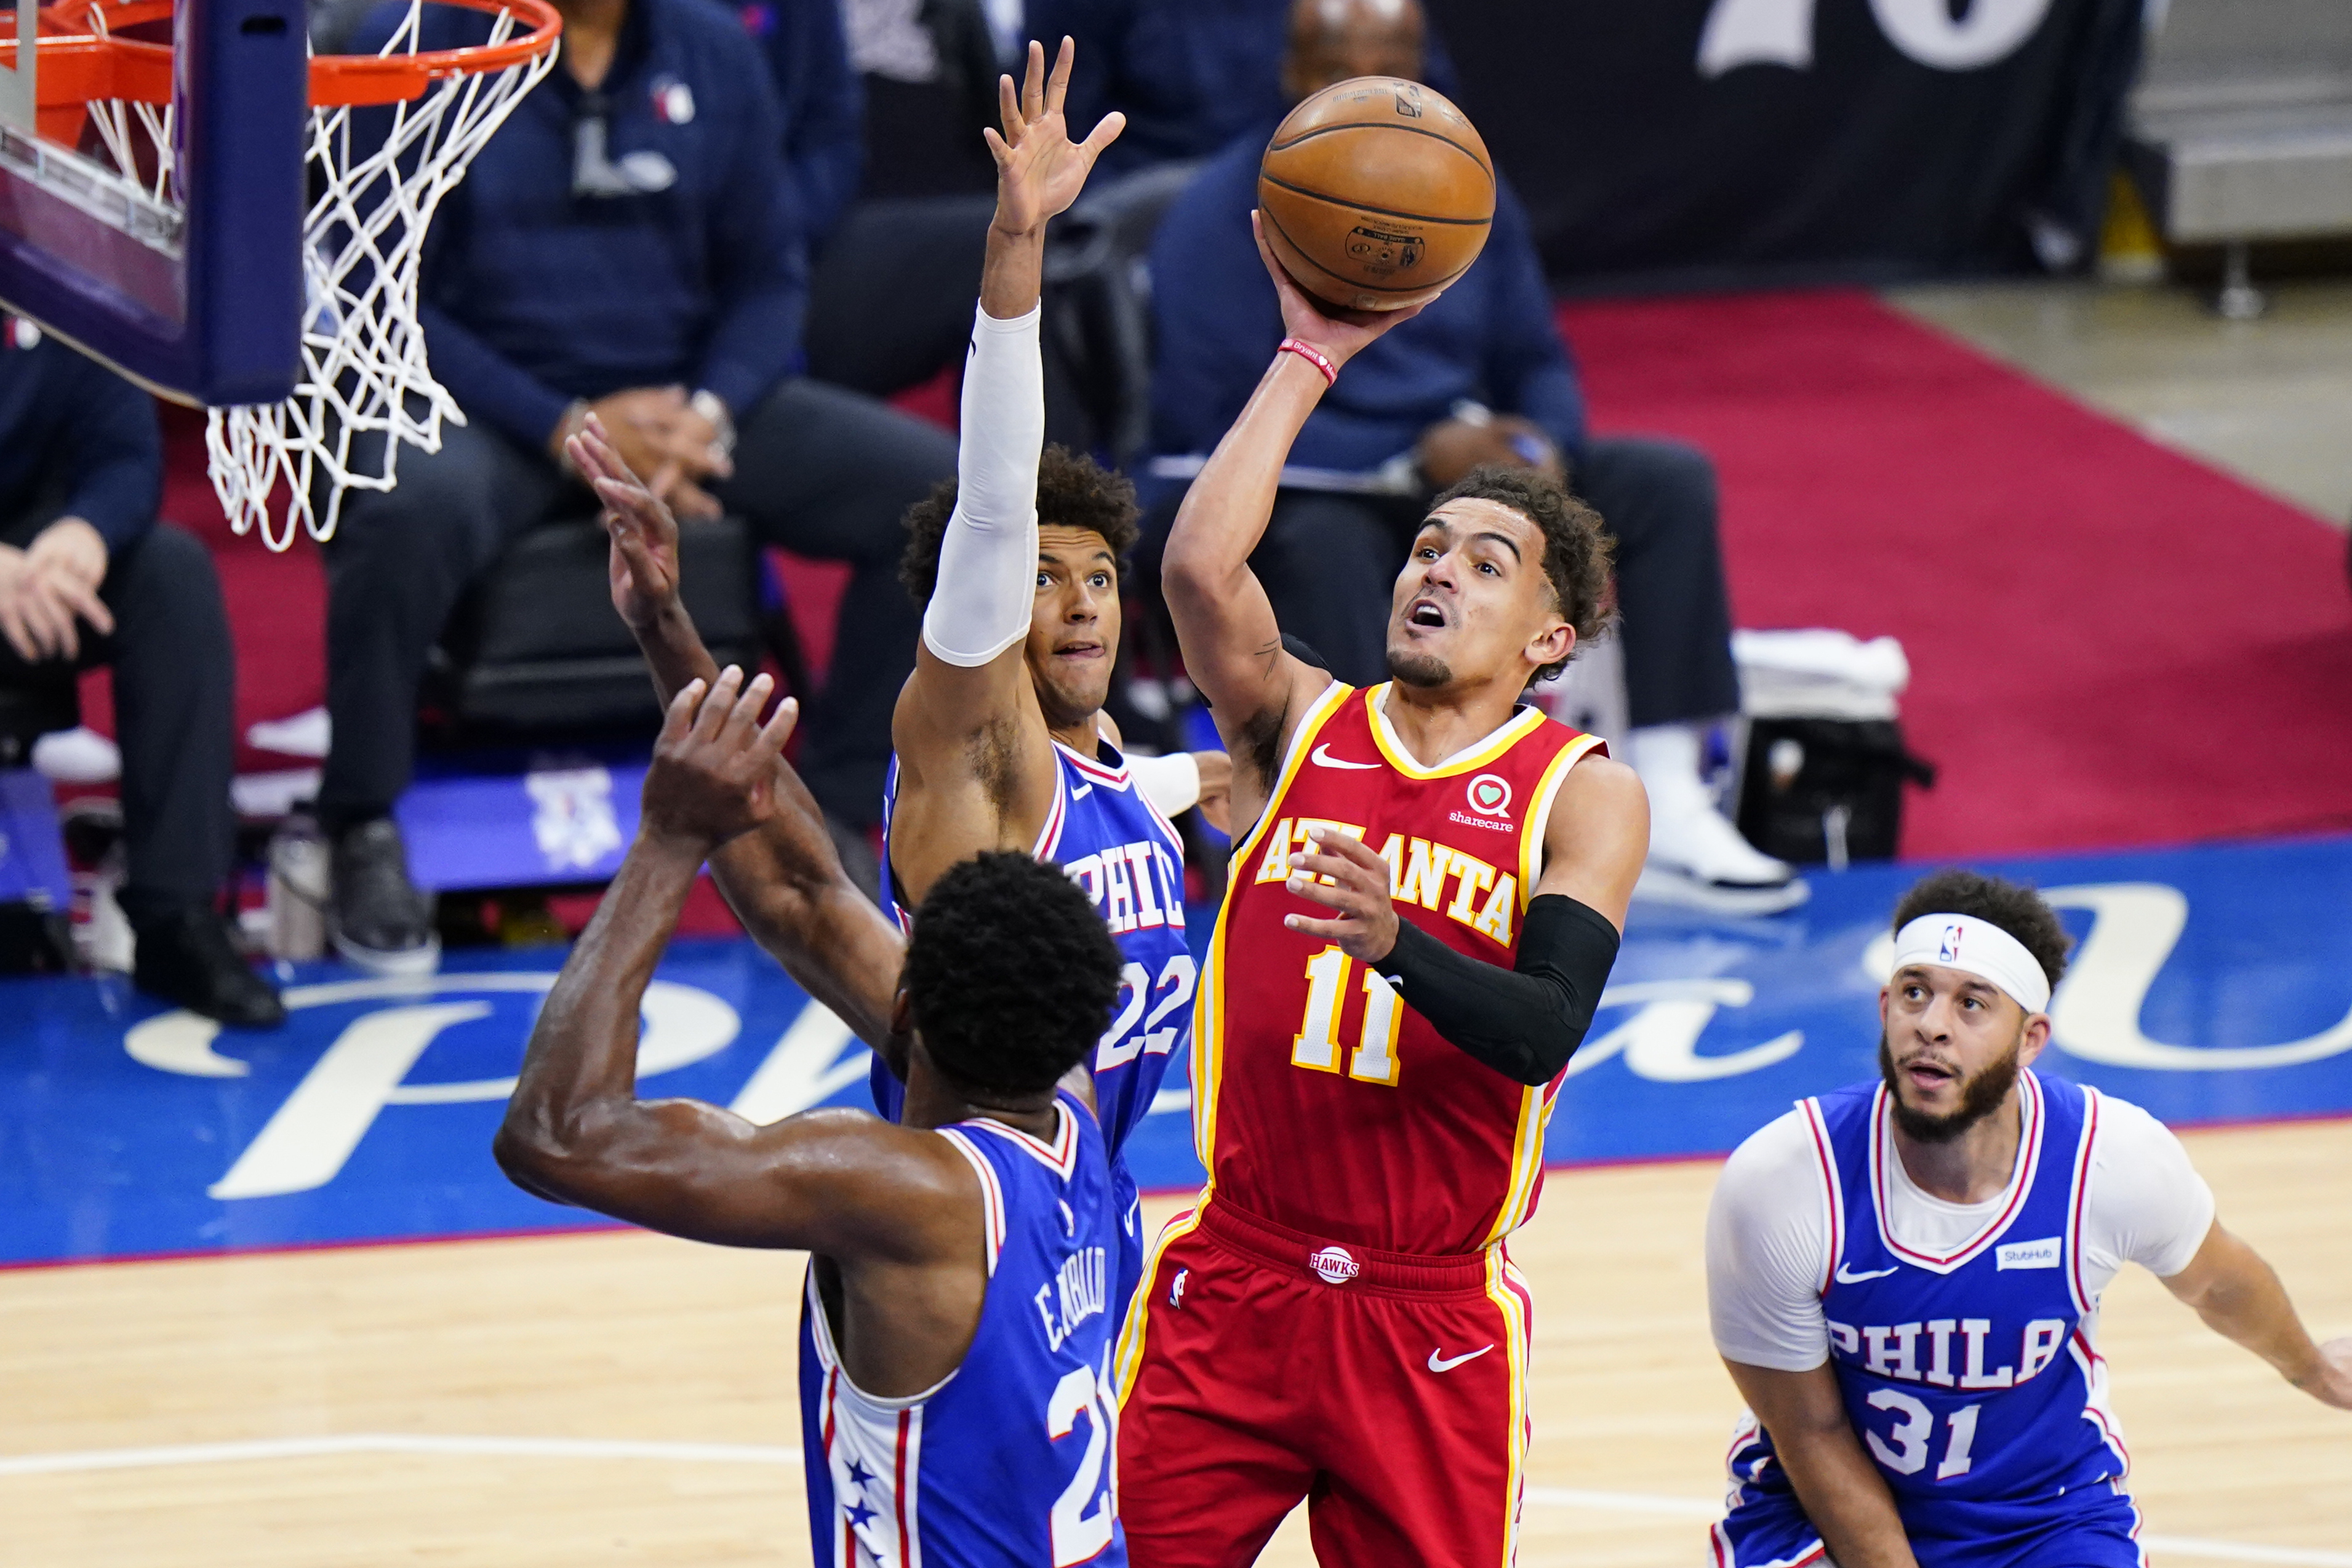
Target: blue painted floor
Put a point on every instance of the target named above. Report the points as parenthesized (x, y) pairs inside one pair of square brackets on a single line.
[(2212, 983)]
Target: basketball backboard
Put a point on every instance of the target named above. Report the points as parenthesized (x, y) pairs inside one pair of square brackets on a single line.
[(184, 271)]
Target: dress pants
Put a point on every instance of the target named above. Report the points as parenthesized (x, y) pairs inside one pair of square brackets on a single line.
[(818, 471)]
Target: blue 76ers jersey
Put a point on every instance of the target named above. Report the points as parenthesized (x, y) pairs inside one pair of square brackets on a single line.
[(1117, 846), (1970, 1376), (1007, 1461)]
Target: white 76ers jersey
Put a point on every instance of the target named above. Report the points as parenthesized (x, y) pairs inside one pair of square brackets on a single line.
[(1008, 1461)]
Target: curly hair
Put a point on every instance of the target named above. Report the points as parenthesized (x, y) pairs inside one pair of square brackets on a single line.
[(1577, 552), (2014, 906), (1073, 491), (1010, 974)]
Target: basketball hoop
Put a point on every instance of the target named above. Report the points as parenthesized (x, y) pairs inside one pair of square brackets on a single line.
[(365, 387)]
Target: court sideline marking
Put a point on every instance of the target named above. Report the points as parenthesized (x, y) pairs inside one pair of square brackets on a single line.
[(443, 1446)]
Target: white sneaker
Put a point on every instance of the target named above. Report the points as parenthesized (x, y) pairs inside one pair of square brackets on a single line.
[(304, 734), (77, 756), (1698, 860)]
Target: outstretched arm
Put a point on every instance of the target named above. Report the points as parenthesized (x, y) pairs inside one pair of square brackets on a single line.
[(1843, 1493), (1224, 624), (839, 1183), (2240, 1297), (783, 879), (975, 762)]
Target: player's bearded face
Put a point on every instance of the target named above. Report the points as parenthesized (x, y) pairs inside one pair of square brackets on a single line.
[(1074, 624), (1471, 597), (1981, 1093)]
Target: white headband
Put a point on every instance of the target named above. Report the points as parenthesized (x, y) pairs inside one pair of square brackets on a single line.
[(1975, 947)]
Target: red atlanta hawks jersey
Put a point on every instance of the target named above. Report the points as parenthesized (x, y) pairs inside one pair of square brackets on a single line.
[(1322, 1102)]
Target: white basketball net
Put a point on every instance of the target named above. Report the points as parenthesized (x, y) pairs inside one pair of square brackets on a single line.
[(366, 387)]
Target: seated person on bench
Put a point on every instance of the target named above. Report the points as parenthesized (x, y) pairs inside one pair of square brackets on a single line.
[(627, 242), (88, 576)]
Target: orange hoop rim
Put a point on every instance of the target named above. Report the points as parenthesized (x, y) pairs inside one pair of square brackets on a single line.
[(77, 66)]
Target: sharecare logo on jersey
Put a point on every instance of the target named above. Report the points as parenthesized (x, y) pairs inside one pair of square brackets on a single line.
[(1334, 1264), (1491, 794), (1080, 1289), (2043, 1254), (1951, 949)]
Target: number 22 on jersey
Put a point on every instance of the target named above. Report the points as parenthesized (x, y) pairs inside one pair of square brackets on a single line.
[(1373, 1058)]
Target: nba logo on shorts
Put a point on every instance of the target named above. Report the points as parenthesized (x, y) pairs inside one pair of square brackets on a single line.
[(1950, 950), (1334, 1264), (1491, 795)]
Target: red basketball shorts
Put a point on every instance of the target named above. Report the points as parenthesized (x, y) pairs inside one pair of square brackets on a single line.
[(1260, 1366)]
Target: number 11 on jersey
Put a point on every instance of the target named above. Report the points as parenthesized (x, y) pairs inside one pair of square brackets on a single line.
[(1316, 1044)]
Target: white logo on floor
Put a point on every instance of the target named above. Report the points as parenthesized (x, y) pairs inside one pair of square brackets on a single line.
[(367, 1068)]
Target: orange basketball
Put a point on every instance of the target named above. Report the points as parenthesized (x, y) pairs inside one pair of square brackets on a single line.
[(1375, 193)]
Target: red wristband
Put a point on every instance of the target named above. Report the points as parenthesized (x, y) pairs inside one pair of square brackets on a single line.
[(1313, 356)]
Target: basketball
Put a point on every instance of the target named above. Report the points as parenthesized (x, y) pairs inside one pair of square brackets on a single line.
[(1375, 193)]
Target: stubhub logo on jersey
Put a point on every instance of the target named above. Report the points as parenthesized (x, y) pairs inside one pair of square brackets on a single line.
[(2206, 982)]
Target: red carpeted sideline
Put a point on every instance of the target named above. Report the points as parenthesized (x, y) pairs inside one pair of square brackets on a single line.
[(2111, 644)]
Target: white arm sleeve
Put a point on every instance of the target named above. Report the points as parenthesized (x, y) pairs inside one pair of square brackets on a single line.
[(1768, 1244), (2145, 1203), (1171, 783), (988, 558)]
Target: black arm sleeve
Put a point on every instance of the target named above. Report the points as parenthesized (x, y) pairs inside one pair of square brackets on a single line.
[(1523, 1022)]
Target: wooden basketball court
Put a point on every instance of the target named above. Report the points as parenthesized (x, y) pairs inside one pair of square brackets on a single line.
[(621, 1398)]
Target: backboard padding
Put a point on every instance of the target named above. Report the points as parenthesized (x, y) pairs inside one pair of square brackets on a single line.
[(208, 314)]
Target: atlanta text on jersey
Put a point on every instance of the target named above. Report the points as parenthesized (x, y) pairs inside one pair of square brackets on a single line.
[(1485, 898)]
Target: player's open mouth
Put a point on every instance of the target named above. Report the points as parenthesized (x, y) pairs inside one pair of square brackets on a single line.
[(1424, 612), (1079, 650), (1929, 1075)]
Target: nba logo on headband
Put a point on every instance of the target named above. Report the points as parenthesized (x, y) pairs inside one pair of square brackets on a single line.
[(1992, 955)]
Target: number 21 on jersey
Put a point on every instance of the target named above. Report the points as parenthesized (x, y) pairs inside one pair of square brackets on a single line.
[(1373, 1056)]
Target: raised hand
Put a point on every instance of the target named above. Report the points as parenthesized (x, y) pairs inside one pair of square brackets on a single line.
[(1039, 170), (1339, 335), (1366, 926), (713, 775), (643, 564)]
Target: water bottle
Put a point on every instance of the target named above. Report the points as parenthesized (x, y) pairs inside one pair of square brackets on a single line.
[(296, 896)]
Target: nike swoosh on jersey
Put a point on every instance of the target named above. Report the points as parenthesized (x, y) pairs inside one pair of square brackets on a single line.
[(1083, 791), (1847, 1276), (1322, 758), (1438, 1362)]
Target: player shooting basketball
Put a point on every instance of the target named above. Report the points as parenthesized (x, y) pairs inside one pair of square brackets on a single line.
[(1418, 931), (949, 1413), (1002, 741), (1904, 1276)]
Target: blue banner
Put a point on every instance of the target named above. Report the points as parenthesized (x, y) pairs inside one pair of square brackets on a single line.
[(2210, 985)]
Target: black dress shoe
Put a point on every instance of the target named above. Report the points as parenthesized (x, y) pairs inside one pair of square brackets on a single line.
[(188, 958), (380, 922)]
